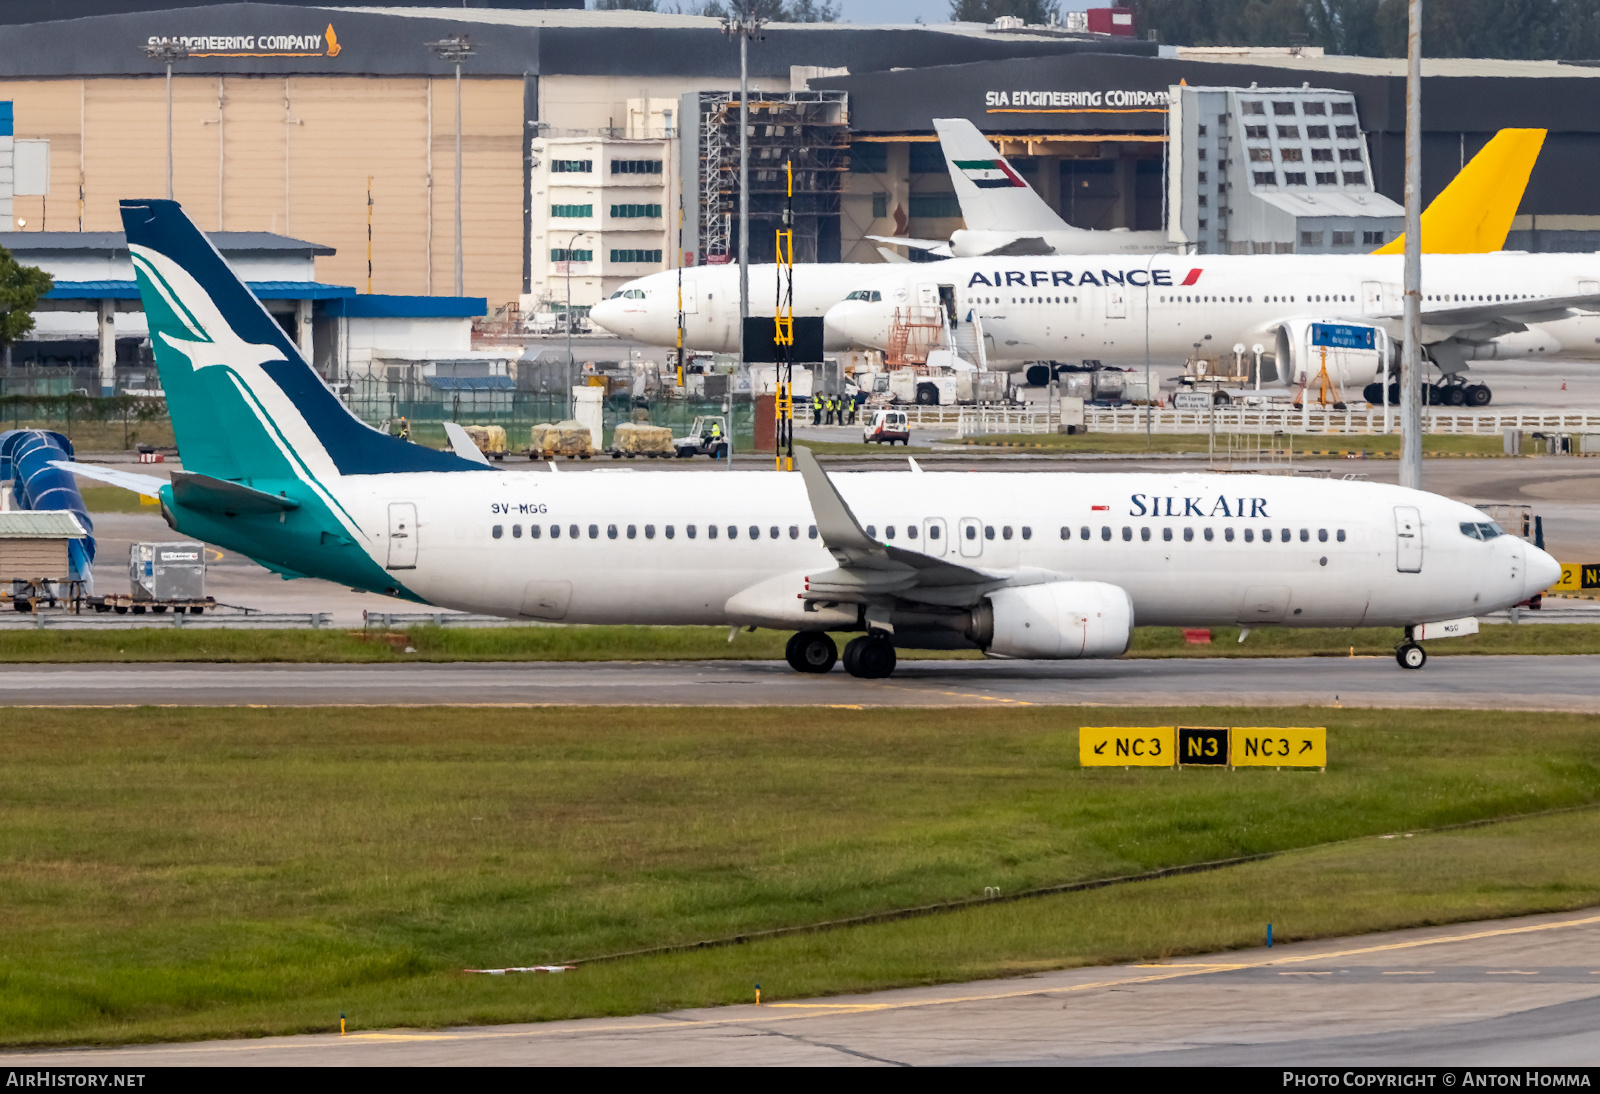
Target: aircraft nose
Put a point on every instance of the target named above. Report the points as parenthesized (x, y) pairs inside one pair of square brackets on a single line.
[(1540, 571), (856, 323), (608, 314)]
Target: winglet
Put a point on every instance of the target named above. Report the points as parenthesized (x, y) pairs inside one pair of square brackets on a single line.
[(463, 445), (1473, 214), (836, 524)]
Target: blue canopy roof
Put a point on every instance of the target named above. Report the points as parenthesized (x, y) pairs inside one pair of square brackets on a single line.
[(472, 383)]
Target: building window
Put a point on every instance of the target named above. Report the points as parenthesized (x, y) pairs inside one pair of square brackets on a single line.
[(1355, 178), (1282, 109), (1373, 239), (1266, 178), (867, 159), (629, 211), (1288, 132), (1201, 178), (572, 210), (571, 167), (1314, 108), (1294, 178), (564, 254), (1291, 155), (1349, 155), (937, 205), (1344, 239), (1322, 155), (1344, 108), (636, 167), (1310, 239), (1203, 223), (1317, 132), (1203, 201), (880, 205), (1200, 155), (1256, 107), (1260, 155), (1255, 132), (1345, 132), (627, 255)]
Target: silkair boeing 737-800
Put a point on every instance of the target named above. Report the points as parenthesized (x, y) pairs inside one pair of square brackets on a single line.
[(1033, 566)]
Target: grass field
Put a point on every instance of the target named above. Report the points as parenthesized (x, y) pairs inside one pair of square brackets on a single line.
[(1133, 444), (187, 873), (164, 643)]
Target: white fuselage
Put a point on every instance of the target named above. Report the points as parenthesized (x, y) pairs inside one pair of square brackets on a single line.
[(1189, 549), (1058, 308), (1125, 309)]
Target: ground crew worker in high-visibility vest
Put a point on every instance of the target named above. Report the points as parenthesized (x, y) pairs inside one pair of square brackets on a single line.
[(816, 410)]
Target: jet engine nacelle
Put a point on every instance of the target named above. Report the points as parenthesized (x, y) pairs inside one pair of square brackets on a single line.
[(1056, 620), (1355, 354)]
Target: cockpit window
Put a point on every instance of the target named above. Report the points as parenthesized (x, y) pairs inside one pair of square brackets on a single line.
[(616, 295), (870, 296), (634, 294), (1484, 532)]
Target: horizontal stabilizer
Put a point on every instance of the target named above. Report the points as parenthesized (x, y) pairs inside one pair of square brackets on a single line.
[(148, 485), (196, 491)]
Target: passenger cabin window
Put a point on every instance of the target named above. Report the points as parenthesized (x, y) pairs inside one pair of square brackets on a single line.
[(1166, 535), (988, 531), (1144, 534), (649, 531), (933, 531), (1249, 535), (516, 531), (872, 531), (911, 531), (1188, 535), (1340, 536), (572, 531), (812, 534), (1208, 535), (533, 531), (1005, 532), (1105, 533), (888, 531), (1322, 535), (1227, 534), (1127, 534), (1083, 533), (496, 531)]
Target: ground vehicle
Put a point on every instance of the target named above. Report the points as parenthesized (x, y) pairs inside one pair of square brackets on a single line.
[(886, 426), (707, 437)]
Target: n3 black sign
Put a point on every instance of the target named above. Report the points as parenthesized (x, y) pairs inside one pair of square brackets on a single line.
[(1205, 746)]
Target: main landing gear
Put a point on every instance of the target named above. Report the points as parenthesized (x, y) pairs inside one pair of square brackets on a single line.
[(811, 651), (868, 656)]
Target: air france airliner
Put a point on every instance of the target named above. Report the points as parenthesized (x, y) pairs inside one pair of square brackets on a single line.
[(1056, 566)]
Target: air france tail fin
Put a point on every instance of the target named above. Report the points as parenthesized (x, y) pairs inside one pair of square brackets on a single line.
[(993, 197), (244, 403), (1473, 214)]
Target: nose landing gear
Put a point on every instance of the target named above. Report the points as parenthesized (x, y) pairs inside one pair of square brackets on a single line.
[(1410, 655)]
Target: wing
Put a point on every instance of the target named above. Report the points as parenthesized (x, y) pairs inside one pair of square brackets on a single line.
[(934, 246), (1490, 319), (869, 571), (148, 485)]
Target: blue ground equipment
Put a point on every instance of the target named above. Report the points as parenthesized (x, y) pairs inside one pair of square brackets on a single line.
[(25, 456)]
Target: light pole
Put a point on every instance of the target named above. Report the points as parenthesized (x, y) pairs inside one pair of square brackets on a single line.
[(1411, 351), (574, 238), (454, 50), (167, 52), (746, 26)]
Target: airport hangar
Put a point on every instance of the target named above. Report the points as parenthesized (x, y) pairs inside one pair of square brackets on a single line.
[(581, 130)]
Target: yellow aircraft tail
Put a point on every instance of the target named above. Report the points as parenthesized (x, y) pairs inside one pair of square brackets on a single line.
[(1473, 214)]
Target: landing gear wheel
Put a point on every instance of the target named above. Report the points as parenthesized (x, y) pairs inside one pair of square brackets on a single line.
[(927, 395), (1455, 395), (1373, 393), (720, 452), (870, 657), (1478, 394), (811, 651), (1394, 395), (1411, 656), (1038, 375)]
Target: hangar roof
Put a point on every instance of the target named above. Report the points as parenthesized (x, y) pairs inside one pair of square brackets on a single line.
[(95, 242)]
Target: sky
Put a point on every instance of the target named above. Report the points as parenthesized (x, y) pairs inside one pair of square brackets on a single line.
[(931, 11)]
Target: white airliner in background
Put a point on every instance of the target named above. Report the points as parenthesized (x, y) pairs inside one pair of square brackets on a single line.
[(1162, 307), (1034, 566), (1005, 216)]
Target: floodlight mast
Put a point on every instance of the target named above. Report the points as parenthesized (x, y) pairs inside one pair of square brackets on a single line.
[(1411, 349), (454, 50), (168, 52), (743, 23)]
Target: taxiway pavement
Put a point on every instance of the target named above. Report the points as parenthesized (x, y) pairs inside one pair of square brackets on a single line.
[(1565, 683), (1518, 992)]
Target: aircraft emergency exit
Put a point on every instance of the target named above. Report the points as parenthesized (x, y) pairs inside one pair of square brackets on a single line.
[(275, 467)]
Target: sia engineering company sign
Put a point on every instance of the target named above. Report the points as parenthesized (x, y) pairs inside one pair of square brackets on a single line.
[(325, 44)]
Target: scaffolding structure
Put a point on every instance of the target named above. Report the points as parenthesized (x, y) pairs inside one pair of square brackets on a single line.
[(808, 129)]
